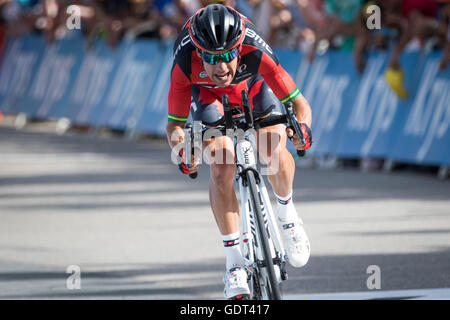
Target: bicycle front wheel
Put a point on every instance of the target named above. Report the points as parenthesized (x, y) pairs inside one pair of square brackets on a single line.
[(272, 282)]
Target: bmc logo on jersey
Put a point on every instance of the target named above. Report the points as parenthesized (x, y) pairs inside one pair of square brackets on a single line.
[(184, 42), (252, 34)]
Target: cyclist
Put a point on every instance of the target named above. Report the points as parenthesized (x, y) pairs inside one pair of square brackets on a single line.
[(219, 51)]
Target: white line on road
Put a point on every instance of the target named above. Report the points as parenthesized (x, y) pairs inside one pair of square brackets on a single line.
[(418, 294)]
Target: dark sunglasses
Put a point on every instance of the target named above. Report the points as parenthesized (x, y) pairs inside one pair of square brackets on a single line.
[(215, 58)]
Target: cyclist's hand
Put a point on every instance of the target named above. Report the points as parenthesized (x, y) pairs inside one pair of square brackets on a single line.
[(296, 140), (183, 167)]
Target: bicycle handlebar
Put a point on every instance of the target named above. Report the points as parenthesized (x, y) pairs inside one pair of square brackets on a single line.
[(247, 109), (289, 118), (189, 147), (293, 123)]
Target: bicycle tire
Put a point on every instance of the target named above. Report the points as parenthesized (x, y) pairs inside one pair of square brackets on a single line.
[(274, 288)]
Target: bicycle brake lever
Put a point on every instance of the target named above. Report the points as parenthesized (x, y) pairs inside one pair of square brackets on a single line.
[(227, 112), (247, 109), (189, 148)]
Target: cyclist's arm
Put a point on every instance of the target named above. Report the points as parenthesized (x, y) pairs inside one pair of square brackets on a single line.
[(179, 102), (285, 88), (303, 110), (179, 105)]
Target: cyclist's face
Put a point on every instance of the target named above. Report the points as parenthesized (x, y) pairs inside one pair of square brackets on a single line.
[(222, 73)]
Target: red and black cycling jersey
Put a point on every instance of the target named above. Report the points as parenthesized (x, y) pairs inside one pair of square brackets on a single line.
[(256, 57)]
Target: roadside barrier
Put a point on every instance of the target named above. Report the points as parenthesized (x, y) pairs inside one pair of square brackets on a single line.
[(126, 88)]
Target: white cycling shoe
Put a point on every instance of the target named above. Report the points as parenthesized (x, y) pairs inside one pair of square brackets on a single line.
[(236, 285), (295, 241)]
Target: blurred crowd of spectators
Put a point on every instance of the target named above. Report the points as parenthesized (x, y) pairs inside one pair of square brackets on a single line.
[(310, 25)]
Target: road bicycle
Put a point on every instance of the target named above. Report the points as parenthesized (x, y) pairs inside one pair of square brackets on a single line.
[(261, 242)]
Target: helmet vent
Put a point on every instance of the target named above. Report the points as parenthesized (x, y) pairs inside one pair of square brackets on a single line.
[(218, 34)]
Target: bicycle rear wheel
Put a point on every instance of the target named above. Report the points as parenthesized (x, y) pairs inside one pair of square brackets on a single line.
[(272, 282)]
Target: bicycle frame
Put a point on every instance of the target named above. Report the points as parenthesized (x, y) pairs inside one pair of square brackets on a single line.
[(259, 229), (250, 244)]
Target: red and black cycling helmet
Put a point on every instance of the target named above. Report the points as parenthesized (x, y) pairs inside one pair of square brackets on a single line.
[(216, 28)]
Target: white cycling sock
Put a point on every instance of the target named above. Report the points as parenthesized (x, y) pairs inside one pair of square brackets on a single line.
[(285, 207), (232, 250)]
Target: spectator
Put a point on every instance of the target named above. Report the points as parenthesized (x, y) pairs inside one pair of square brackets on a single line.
[(284, 29), (369, 39), (420, 16), (418, 22), (312, 12), (173, 15), (143, 21), (312, 19), (278, 13), (340, 26), (117, 19), (281, 22), (18, 18), (261, 13)]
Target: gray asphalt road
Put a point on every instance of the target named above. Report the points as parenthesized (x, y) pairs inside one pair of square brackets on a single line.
[(138, 229)]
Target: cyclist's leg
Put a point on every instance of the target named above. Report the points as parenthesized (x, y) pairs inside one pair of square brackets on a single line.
[(219, 154), (281, 166), (272, 140), (272, 149), (222, 196)]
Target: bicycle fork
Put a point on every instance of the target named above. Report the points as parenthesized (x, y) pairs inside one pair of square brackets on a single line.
[(251, 242)]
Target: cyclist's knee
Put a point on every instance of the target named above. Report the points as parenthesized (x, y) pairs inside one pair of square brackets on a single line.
[(271, 144), (222, 175)]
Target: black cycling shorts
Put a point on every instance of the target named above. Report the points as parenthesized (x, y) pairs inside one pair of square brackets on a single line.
[(207, 101)]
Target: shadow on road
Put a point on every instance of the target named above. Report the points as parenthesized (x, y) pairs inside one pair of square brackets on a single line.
[(87, 190), (322, 274)]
